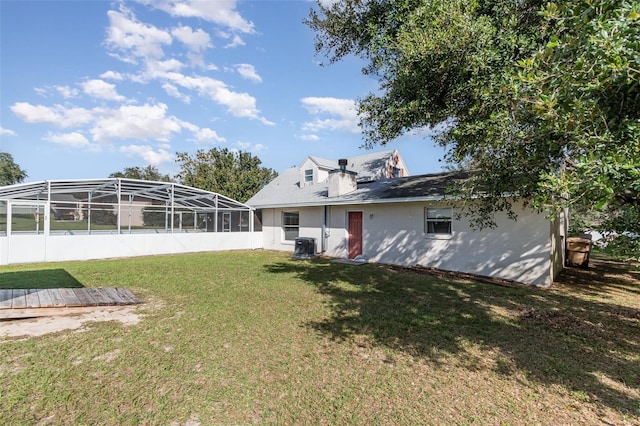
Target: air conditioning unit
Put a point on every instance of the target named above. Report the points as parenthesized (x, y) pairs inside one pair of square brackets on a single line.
[(305, 248)]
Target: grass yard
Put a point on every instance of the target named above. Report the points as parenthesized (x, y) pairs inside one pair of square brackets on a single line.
[(254, 337)]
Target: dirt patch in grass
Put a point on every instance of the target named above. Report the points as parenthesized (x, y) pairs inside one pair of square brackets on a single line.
[(12, 330)]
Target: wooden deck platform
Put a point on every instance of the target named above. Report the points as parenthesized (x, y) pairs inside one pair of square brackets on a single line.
[(60, 301)]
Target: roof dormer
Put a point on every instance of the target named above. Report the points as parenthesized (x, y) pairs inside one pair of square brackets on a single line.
[(314, 170), (368, 167)]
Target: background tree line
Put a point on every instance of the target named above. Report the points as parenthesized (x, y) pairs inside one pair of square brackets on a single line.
[(235, 174)]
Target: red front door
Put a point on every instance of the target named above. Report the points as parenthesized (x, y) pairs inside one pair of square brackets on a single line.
[(355, 234)]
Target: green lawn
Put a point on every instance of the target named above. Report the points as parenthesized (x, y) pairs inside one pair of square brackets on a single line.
[(254, 337)]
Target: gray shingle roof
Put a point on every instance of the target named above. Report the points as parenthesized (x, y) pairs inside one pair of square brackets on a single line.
[(323, 162), (367, 166), (285, 191)]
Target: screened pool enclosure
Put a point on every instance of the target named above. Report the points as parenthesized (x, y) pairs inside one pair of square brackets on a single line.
[(142, 217)]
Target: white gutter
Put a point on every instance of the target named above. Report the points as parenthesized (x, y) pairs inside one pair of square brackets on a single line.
[(336, 202)]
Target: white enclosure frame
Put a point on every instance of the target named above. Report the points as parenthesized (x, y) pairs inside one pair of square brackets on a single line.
[(117, 217)]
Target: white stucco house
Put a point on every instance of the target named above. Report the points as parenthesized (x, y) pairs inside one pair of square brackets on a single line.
[(370, 207)]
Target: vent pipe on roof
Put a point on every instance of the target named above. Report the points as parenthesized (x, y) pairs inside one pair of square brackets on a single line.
[(343, 164)]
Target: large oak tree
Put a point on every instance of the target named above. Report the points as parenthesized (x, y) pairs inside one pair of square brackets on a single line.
[(543, 100)]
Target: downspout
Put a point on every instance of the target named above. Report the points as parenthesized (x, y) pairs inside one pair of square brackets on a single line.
[(273, 227), (325, 228)]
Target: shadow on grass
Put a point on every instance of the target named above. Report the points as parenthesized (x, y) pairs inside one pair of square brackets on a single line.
[(45, 278), (587, 344), (602, 277)]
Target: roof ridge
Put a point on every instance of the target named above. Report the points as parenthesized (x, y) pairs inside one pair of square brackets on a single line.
[(320, 161)]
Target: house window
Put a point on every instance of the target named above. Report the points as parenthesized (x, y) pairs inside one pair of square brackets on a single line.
[(438, 220), (291, 225), (308, 175)]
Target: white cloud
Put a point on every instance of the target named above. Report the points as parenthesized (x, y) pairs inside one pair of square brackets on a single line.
[(7, 132), (147, 153), (196, 59), (186, 125), (208, 135), (64, 91), (221, 12), (248, 147), (328, 3), (249, 72), (35, 113), (175, 93), (344, 109), (238, 104), (309, 137), (335, 106), (197, 40), (331, 124), (102, 90), (135, 122), (58, 115), (235, 42), (73, 139), (159, 69), (134, 38), (112, 75)]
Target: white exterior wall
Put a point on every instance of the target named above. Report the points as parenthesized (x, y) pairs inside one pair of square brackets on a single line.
[(394, 233), (322, 175), (310, 226), (53, 248)]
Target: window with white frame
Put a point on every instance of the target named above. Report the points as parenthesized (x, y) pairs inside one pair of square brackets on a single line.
[(291, 225), (308, 175), (438, 220)]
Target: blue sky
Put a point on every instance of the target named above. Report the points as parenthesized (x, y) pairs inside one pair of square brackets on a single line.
[(88, 87)]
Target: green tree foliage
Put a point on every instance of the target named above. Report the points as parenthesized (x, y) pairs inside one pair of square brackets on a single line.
[(10, 172), (542, 99), (143, 173), (237, 175), (581, 92)]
